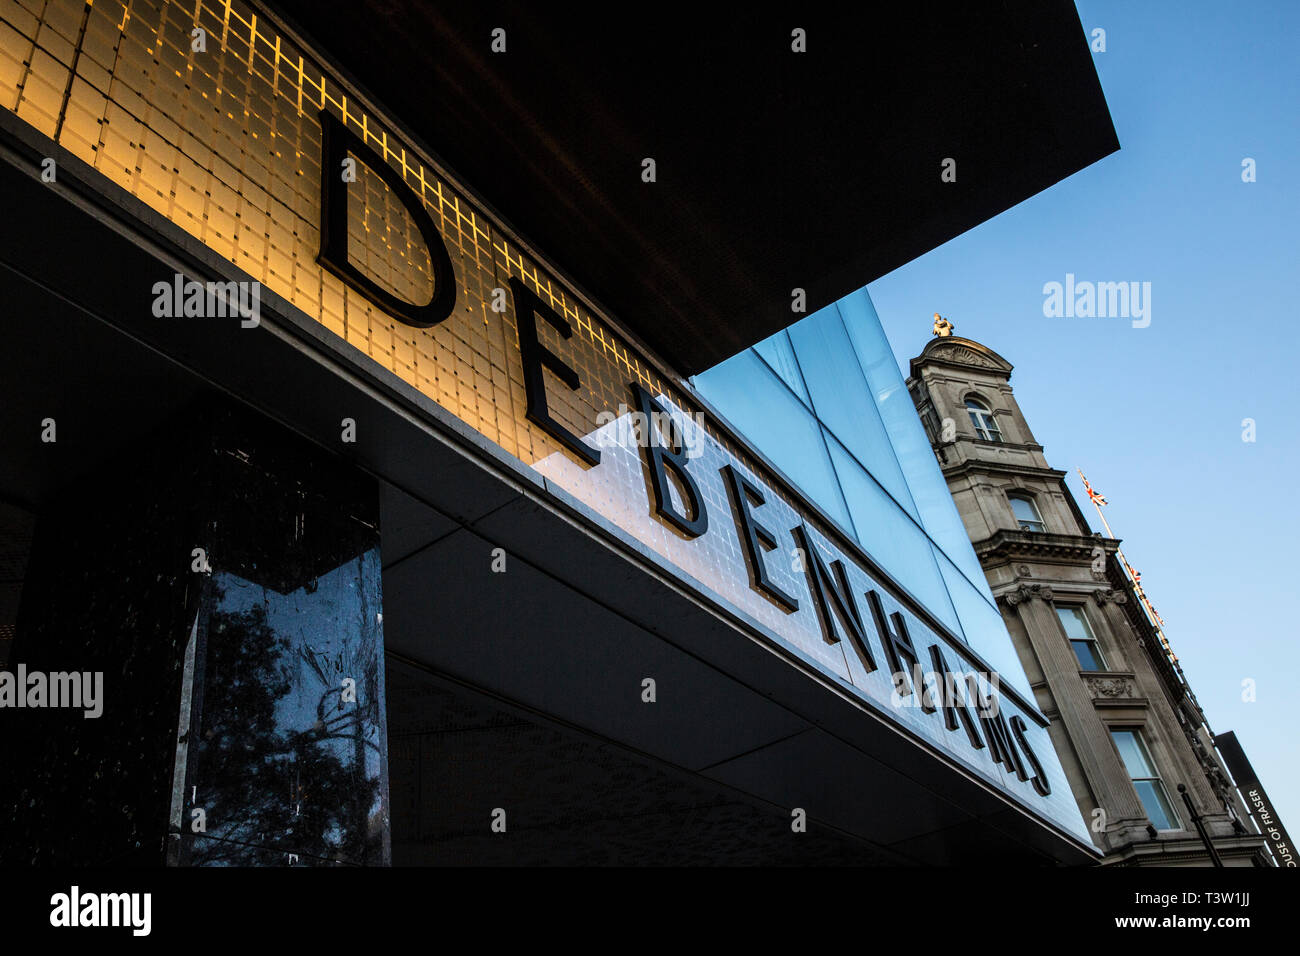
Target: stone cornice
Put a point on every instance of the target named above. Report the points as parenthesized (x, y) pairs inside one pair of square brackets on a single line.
[(968, 465), (1168, 851), (989, 443), (1007, 545), (1102, 703)]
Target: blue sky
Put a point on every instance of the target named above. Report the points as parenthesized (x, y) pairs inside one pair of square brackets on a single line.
[(1154, 415)]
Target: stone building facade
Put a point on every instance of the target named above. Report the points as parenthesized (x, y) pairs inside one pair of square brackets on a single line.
[(1127, 728)]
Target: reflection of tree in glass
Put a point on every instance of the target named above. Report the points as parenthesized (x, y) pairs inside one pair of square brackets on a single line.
[(266, 786)]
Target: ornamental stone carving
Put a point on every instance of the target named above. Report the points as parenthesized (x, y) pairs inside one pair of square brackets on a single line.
[(1110, 595), (1027, 591), (1218, 783), (967, 357), (1110, 687)]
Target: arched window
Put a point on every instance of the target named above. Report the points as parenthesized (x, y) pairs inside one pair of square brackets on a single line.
[(982, 418), (1026, 513)]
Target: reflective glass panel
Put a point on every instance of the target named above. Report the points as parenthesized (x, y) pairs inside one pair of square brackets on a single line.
[(779, 353), (759, 405), (930, 492), (842, 400), (892, 538), (982, 625)]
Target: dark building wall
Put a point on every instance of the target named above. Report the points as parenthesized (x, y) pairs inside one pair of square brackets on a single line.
[(107, 591), (223, 578)]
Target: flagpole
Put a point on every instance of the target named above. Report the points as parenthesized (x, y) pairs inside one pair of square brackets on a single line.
[(1158, 625), (1135, 580)]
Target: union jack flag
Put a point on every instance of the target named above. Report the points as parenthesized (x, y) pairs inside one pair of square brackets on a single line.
[(1094, 496)]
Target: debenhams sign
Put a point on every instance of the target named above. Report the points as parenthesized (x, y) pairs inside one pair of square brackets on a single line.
[(729, 527), (966, 702)]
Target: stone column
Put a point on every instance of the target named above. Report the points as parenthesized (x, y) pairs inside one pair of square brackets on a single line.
[(1125, 818)]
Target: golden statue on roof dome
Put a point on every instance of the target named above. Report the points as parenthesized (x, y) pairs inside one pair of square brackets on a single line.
[(942, 326)]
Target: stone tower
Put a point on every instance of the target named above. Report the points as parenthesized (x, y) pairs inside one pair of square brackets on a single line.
[(1125, 724)]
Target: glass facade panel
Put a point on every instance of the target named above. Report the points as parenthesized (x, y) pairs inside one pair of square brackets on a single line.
[(875, 466), (779, 353), (287, 660), (890, 538), (982, 625), (767, 413), (930, 492), (842, 400)]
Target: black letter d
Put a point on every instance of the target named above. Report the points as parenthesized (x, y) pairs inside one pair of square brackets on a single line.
[(336, 142)]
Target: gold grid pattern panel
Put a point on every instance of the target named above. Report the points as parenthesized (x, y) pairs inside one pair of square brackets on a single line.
[(225, 142)]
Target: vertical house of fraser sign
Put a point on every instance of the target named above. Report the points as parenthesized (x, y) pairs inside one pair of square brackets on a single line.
[(1256, 798), (254, 149)]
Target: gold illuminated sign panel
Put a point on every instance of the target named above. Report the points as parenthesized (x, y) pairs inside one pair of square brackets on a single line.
[(253, 148)]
